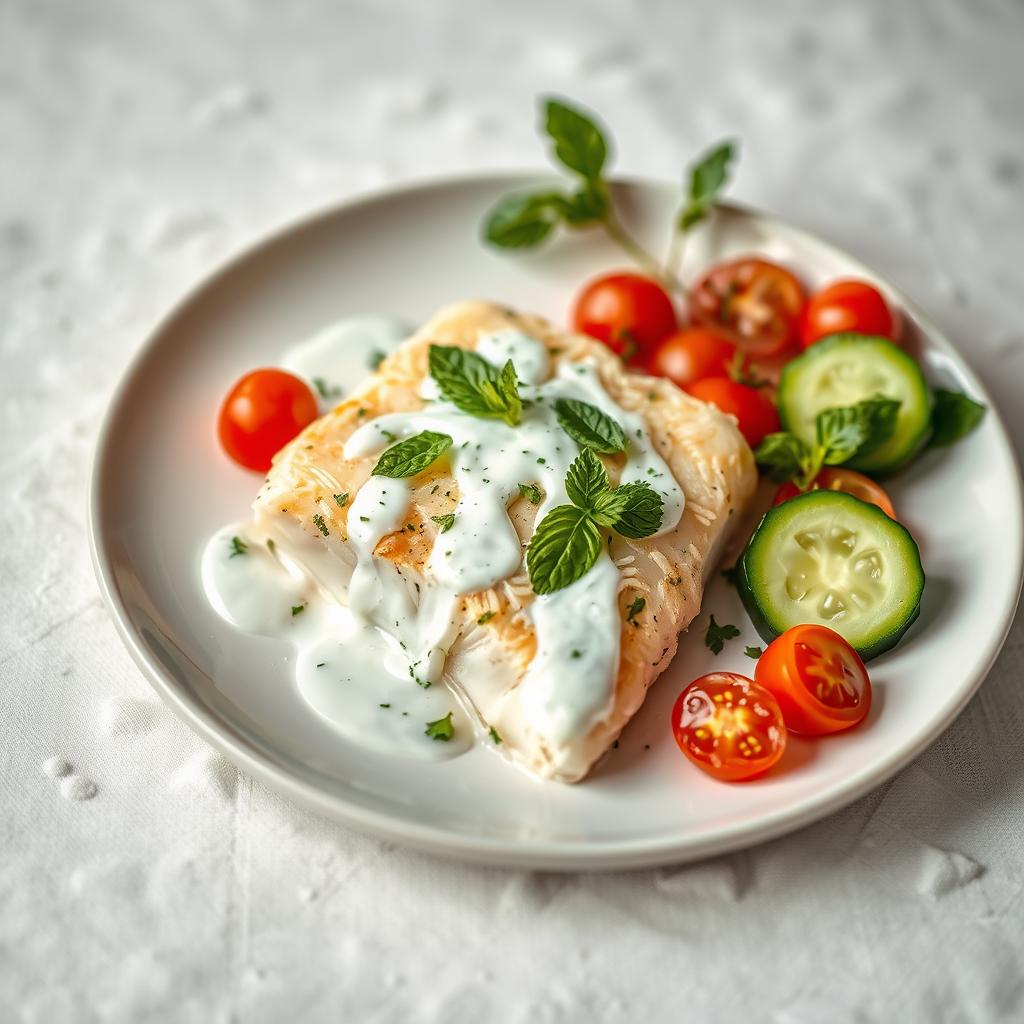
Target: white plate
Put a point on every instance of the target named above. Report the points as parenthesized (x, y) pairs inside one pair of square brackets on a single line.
[(161, 486)]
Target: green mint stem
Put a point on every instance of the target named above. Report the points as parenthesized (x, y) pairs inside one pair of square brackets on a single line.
[(649, 264)]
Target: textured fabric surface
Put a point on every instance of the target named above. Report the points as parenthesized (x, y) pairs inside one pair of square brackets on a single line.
[(141, 878)]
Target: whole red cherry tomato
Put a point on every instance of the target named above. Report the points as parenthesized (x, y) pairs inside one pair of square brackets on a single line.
[(628, 312), (261, 414), (753, 408), (692, 353), (848, 306)]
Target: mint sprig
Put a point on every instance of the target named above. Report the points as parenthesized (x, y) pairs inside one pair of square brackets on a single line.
[(567, 542), (582, 147), (589, 426), (476, 386), (413, 455), (842, 433)]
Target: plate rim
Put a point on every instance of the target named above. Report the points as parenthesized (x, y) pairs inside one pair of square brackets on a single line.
[(482, 849)]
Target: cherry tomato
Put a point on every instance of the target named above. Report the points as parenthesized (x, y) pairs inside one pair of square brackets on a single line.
[(752, 407), (817, 678), (729, 725), (691, 354), (757, 304), (848, 306), (836, 479), (629, 313), (261, 414)]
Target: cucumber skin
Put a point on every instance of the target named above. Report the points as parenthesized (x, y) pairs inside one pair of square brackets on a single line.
[(840, 340), (768, 633)]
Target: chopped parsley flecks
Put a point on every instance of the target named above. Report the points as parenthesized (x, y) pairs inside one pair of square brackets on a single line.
[(443, 729)]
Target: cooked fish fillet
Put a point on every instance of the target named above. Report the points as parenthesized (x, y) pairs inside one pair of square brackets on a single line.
[(486, 663)]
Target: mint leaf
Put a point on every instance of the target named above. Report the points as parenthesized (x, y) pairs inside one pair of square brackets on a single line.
[(635, 609), (522, 221), (856, 429), (784, 455), (579, 143), (586, 480), (588, 206), (716, 635), (442, 729), (841, 432), (753, 652), (642, 512), (445, 523), (954, 415), (413, 455), (589, 426), (476, 386), (564, 547), (707, 176), (531, 492)]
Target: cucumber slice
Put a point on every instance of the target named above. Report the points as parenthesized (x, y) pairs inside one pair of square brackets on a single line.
[(845, 369), (830, 558)]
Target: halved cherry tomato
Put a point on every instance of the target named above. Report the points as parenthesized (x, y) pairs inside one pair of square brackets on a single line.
[(753, 408), (729, 725), (691, 354), (629, 313), (757, 304), (848, 306), (261, 414), (832, 478), (818, 679)]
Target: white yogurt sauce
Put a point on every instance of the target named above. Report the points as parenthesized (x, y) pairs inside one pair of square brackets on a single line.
[(374, 669), (565, 694), (343, 354), (349, 673)]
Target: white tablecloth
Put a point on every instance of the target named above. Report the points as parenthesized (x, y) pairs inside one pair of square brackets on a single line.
[(143, 142)]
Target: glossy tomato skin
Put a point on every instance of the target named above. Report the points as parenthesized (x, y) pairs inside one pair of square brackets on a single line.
[(729, 726), (753, 408), (628, 312), (261, 414), (690, 354), (845, 306), (818, 679), (756, 303), (836, 478)]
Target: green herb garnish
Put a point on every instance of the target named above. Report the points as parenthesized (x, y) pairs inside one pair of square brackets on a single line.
[(324, 390), (442, 729), (445, 523), (298, 609), (238, 547), (580, 145), (589, 427), (635, 609), (954, 415), (375, 358), (567, 542), (476, 386), (413, 455), (753, 652), (495, 738), (485, 618), (716, 635), (321, 524), (843, 433), (341, 499), (531, 492)]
